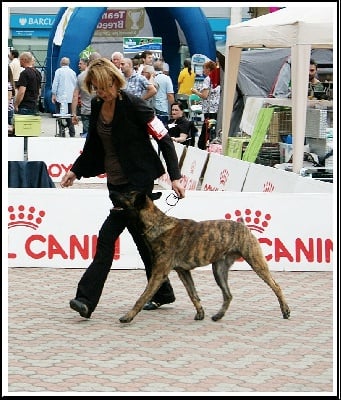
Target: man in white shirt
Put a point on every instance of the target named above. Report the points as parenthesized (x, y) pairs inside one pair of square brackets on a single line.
[(148, 58), (14, 63), (63, 85)]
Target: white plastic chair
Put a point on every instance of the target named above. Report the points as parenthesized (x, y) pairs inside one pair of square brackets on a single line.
[(195, 107)]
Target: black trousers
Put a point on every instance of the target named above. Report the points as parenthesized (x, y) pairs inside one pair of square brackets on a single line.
[(204, 135), (91, 285)]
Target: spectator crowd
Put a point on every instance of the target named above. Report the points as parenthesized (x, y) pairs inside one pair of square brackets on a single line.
[(145, 76)]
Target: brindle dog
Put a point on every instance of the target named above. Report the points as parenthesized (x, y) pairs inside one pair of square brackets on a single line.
[(185, 244)]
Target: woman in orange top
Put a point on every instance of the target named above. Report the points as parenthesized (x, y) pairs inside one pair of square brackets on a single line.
[(186, 78)]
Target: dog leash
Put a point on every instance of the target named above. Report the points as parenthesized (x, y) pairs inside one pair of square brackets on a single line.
[(171, 200)]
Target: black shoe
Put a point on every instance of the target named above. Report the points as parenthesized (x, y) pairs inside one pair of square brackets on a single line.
[(153, 305), (80, 307)]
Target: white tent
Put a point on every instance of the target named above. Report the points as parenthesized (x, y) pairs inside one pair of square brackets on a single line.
[(301, 29)]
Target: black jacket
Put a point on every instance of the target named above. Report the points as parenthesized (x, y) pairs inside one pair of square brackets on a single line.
[(138, 158)]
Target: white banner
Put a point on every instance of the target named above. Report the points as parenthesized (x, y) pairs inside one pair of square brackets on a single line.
[(58, 227), (58, 155), (164, 180), (192, 167), (224, 173), (260, 178), (16, 149)]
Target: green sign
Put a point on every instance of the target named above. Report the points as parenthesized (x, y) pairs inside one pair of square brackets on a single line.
[(140, 44), (259, 133)]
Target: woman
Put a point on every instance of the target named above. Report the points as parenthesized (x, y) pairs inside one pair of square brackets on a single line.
[(210, 93), (186, 78), (179, 127), (118, 144)]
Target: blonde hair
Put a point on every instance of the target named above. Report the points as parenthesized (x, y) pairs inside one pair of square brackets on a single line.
[(105, 73)]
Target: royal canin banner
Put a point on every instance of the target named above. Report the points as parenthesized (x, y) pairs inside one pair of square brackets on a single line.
[(218, 172), (58, 228)]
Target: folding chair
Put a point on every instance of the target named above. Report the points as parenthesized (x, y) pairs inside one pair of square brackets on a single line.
[(192, 134), (195, 107)]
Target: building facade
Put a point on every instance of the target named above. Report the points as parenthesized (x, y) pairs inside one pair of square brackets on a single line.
[(29, 30)]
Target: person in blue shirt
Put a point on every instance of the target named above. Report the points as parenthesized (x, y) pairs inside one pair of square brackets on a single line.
[(165, 93), (136, 83)]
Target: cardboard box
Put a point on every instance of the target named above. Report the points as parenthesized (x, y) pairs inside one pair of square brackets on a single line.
[(318, 123), (27, 125), (236, 146), (280, 125)]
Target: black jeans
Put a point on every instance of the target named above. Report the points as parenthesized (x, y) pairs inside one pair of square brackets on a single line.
[(92, 282), (205, 135)]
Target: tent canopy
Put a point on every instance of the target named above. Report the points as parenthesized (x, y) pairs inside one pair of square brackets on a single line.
[(299, 29), (285, 28)]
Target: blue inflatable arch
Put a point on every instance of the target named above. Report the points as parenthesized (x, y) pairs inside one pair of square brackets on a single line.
[(82, 25)]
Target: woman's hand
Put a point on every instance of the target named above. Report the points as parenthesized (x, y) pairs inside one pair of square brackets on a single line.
[(178, 188), (68, 179)]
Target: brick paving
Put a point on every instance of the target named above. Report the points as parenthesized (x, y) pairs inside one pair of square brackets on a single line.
[(251, 350)]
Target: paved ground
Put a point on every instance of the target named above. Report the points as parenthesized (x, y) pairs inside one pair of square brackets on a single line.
[(48, 126), (252, 350)]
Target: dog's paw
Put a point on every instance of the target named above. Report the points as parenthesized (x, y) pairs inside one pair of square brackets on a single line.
[(217, 316), (286, 313), (125, 319), (200, 315)]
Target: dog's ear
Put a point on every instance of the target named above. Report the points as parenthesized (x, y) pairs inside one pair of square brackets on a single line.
[(140, 200), (155, 196), (116, 198)]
